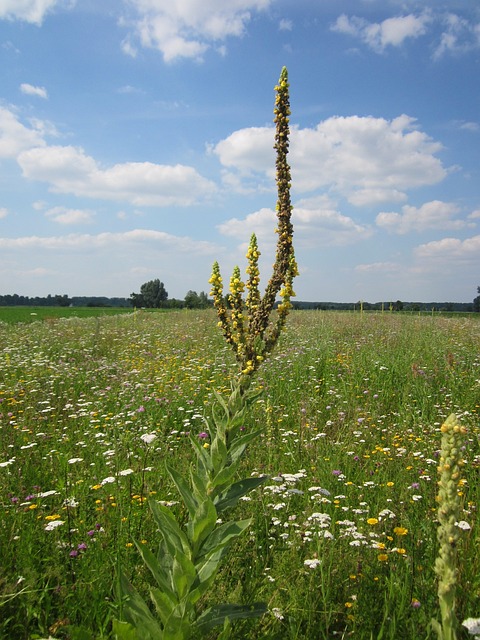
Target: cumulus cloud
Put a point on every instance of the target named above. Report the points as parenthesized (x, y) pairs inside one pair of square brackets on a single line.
[(380, 35), (431, 215), (70, 170), (189, 28), (31, 90), (3, 212), (317, 223), (366, 159), (16, 137), (451, 33), (66, 216), (32, 11), (451, 250)]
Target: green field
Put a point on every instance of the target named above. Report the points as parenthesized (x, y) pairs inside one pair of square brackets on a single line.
[(343, 539), (50, 314)]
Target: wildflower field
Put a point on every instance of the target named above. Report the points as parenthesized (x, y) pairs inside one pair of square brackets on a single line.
[(344, 533)]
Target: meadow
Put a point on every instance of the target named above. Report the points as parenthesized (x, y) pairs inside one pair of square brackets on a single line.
[(17, 314), (343, 539)]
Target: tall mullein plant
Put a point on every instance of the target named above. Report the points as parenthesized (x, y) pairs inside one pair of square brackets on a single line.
[(247, 324), (189, 556), (448, 533)]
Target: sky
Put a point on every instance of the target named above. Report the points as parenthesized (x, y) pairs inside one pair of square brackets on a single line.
[(136, 142)]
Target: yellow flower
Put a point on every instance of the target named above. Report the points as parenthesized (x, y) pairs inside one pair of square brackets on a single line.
[(55, 516), (382, 557), (390, 484), (33, 506), (372, 521), (400, 531)]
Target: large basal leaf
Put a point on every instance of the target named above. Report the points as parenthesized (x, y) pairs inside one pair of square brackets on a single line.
[(136, 612)]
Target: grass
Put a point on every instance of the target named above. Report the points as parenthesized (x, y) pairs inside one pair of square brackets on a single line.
[(13, 315), (343, 541)]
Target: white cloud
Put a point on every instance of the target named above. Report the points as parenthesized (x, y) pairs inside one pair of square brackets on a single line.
[(451, 251), (32, 11), (189, 28), (366, 159), (285, 25), (379, 35), (111, 264), (459, 36), (30, 90), (379, 267), (431, 215), (65, 216), (316, 222), (76, 241), (69, 170), (474, 127), (3, 212), (236, 150), (14, 136)]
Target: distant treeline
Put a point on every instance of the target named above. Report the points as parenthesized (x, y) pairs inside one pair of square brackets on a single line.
[(15, 300), (191, 302), (386, 306)]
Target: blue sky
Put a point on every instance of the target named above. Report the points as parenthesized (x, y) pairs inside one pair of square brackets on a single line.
[(136, 142)]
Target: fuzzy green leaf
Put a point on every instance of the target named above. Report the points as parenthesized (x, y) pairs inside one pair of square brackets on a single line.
[(183, 574), (175, 538), (136, 612), (163, 604), (203, 456), (184, 490), (232, 495), (219, 454), (199, 485), (124, 631), (239, 444), (203, 522), (225, 476), (158, 571), (217, 614)]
